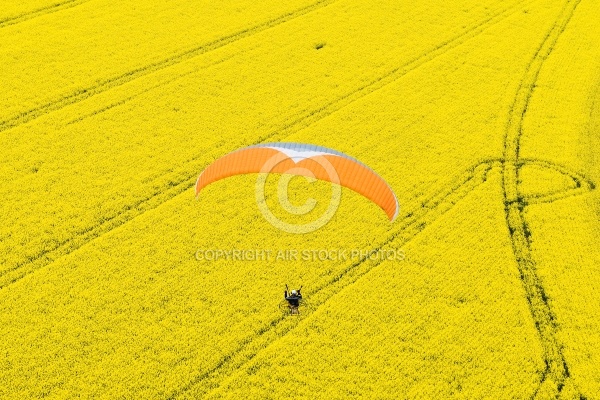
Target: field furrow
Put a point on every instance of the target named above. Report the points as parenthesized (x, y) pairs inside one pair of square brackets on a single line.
[(24, 11), (557, 371)]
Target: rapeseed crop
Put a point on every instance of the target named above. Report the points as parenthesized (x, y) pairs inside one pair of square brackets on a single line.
[(482, 117)]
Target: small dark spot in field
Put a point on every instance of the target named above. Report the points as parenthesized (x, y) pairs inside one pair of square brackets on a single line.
[(319, 46), (35, 167)]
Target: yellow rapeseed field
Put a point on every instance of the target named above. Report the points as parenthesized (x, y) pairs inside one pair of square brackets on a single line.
[(483, 117)]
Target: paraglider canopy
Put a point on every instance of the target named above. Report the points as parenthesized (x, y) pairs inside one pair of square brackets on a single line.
[(307, 160)]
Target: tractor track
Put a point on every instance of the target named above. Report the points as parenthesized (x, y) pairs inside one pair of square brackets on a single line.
[(145, 90), (582, 183), (556, 373), (40, 11)]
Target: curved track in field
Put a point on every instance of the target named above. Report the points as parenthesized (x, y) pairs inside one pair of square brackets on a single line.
[(556, 373)]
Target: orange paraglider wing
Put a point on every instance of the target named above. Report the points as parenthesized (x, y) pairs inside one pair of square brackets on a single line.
[(308, 160)]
